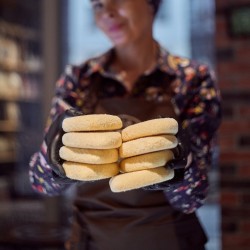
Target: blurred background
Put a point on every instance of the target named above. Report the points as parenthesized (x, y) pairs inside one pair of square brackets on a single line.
[(38, 38)]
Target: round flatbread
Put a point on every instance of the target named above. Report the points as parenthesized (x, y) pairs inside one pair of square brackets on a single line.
[(90, 156), (146, 161), (139, 179), (92, 140), (90, 172), (93, 122), (147, 145), (150, 128)]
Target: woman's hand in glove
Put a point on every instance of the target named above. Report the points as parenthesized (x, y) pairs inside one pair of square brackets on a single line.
[(145, 150), (182, 158), (83, 147), (53, 139)]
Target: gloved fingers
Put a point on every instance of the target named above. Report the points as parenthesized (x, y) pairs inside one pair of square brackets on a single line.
[(72, 113), (177, 163), (181, 152), (128, 120), (55, 130), (58, 168), (56, 127), (62, 179), (183, 143), (169, 184), (53, 145), (146, 161), (53, 140)]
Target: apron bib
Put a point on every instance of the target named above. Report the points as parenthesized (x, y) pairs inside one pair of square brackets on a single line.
[(136, 219)]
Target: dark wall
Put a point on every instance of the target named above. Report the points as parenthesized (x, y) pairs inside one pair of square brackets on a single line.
[(233, 64)]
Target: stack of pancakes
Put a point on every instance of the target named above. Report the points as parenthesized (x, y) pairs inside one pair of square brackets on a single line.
[(96, 148), (145, 150), (91, 145)]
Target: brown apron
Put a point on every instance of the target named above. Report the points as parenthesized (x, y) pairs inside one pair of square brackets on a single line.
[(135, 219)]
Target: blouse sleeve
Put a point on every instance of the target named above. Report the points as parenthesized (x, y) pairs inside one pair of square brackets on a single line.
[(40, 172), (199, 105)]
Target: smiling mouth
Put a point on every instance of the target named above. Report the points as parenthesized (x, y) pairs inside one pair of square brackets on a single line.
[(115, 28)]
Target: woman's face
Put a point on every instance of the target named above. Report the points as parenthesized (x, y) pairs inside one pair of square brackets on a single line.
[(124, 21)]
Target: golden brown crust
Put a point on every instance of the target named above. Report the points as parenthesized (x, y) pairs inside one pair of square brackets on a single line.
[(139, 179), (150, 128), (93, 122), (92, 140), (147, 145), (90, 172), (90, 156), (146, 161)]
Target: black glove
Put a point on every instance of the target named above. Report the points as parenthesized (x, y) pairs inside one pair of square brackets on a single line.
[(178, 164), (53, 140)]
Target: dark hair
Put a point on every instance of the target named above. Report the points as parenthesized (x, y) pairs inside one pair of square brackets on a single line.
[(155, 4)]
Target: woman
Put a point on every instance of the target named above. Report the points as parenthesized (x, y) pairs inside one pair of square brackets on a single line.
[(139, 73)]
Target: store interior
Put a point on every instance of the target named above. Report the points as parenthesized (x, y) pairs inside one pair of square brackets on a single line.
[(37, 40)]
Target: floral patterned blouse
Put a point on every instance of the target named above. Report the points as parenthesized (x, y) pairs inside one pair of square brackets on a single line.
[(196, 101)]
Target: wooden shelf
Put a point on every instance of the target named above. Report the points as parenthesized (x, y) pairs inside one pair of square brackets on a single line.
[(7, 157), (20, 99), (16, 30), (21, 67), (8, 126), (23, 56)]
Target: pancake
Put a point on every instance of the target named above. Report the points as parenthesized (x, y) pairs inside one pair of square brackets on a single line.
[(90, 172), (150, 128), (147, 145), (134, 180), (92, 140), (146, 161), (93, 122), (91, 156)]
